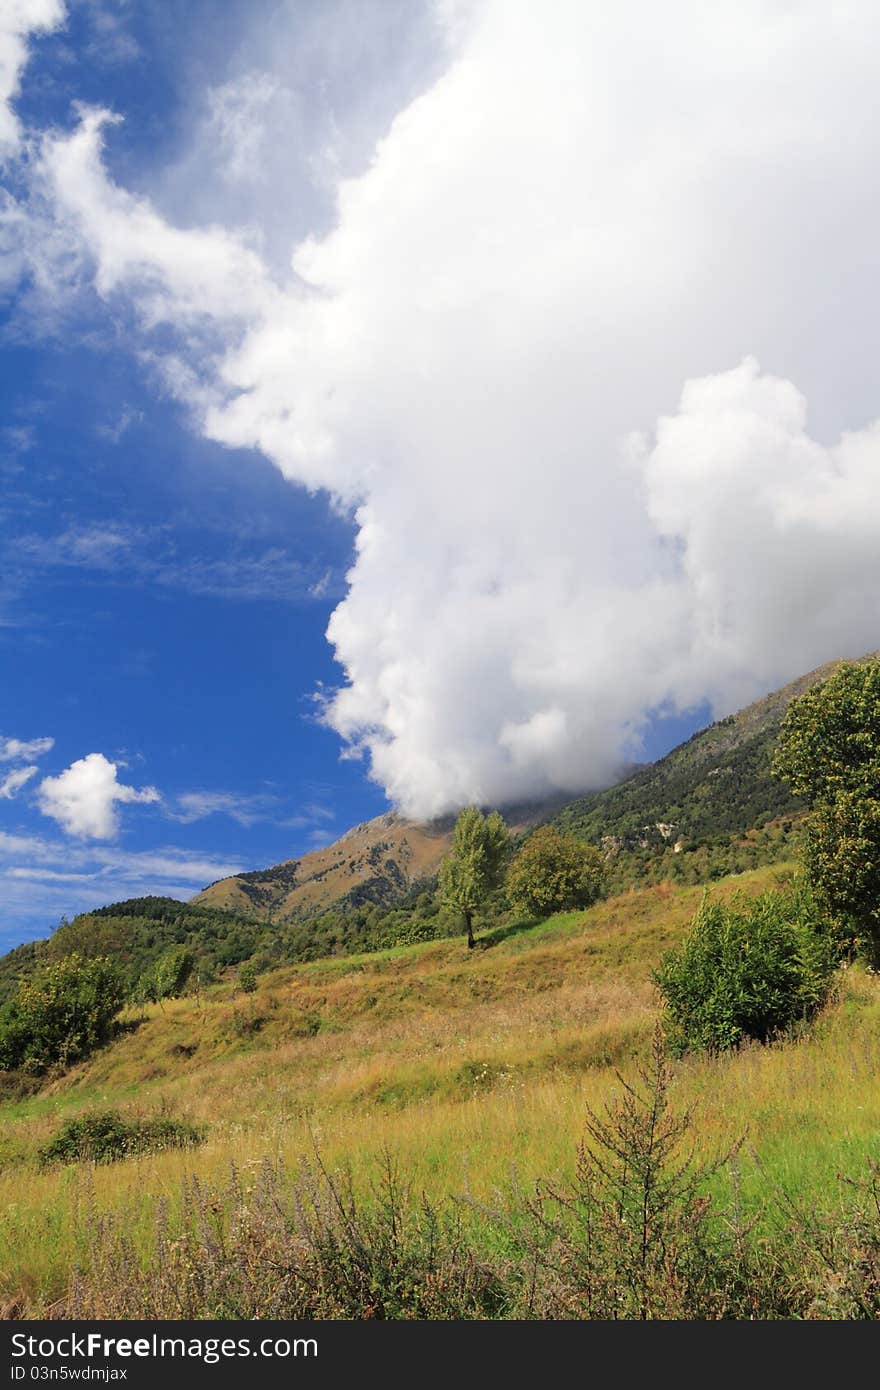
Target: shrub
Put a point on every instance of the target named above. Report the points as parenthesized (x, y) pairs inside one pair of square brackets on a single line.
[(631, 1235), (247, 977), (750, 970), (62, 1014), (554, 872), (106, 1136)]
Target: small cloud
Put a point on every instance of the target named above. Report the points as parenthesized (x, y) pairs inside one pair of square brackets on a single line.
[(311, 812), (13, 845), (42, 878), (237, 124), (246, 810), (14, 750), (318, 838), (14, 781), (136, 555), (320, 587), (98, 547), (18, 439), (115, 430), (41, 875), (89, 547), (111, 45), (83, 798)]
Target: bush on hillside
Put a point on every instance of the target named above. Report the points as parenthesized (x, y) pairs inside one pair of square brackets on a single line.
[(106, 1136), (554, 873), (169, 976), (60, 1015), (747, 971), (247, 977)]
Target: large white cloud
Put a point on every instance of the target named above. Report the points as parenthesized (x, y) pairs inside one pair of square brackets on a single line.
[(83, 798), (592, 206)]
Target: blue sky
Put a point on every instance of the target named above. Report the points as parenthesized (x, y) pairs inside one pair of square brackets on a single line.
[(165, 606), (413, 403), (163, 600)]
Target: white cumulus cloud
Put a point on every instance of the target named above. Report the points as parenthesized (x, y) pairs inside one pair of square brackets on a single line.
[(83, 798), (593, 213)]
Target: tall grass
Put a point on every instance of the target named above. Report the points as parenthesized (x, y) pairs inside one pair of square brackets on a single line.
[(632, 1234), (472, 1069)]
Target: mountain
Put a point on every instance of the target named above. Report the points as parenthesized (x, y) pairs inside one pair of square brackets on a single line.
[(377, 861), (709, 807), (380, 861)]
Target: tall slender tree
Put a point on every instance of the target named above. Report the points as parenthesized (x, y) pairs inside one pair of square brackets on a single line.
[(475, 867)]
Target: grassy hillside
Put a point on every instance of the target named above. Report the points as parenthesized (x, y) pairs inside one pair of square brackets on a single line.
[(710, 807), (462, 1064)]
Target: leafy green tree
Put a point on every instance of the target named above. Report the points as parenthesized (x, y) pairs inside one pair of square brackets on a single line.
[(247, 977), (173, 971), (169, 976), (475, 867), (829, 753), (62, 1014), (554, 872), (749, 970)]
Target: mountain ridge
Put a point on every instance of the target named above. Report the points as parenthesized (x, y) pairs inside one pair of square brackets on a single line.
[(717, 783), (708, 808), (377, 861)]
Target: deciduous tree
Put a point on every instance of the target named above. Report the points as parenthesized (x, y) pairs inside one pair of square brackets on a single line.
[(554, 872), (475, 867), (829, 753)]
